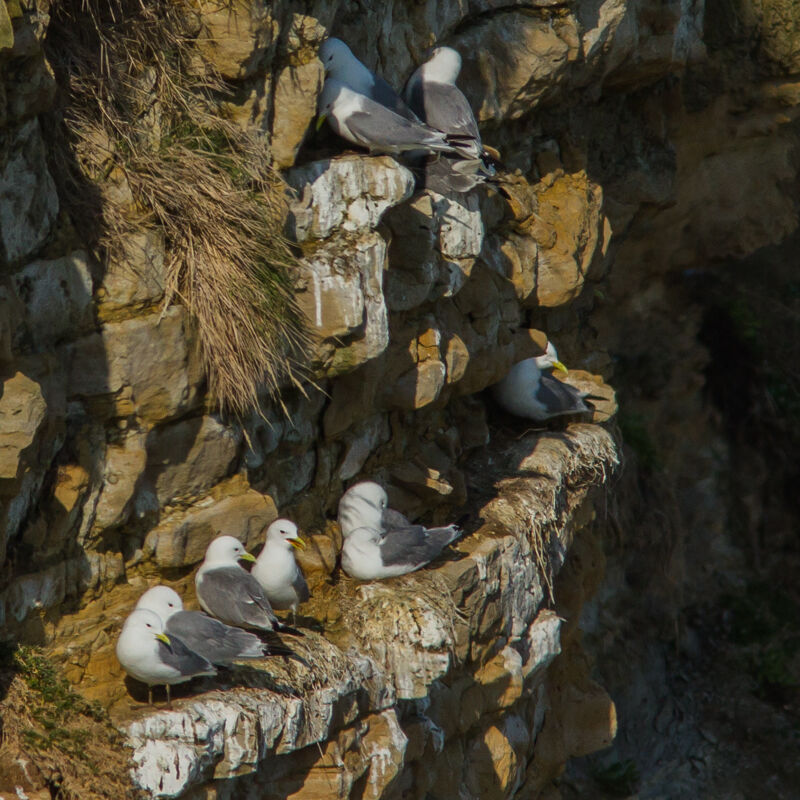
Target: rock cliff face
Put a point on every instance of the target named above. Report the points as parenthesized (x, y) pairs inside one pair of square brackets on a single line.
[(642, 146)]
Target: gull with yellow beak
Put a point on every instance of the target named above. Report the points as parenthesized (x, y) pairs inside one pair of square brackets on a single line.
[(149, 655), (230, 593), (277, 571), (531, 391)]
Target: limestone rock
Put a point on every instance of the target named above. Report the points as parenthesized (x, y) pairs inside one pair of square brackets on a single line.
[(186, 458), (339, 290), (296, 91), (236, 36), (137, 277), (144, 365), (28, 199), (435, 240), (23, 409), (57, 296), (181, 540), (349, 193), (124, 464)]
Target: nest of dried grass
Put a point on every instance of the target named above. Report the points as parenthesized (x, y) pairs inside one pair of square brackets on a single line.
[(142, 143)]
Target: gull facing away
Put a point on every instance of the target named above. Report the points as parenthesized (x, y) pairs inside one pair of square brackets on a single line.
[(341, 65), (215, 641), (432, 94), (152, 657), (276, 570), (361, 120), (230, 593), (380, 542), (531, 392)]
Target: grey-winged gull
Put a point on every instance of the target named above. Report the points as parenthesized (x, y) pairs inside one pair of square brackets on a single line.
[(215, 641), (152, 657), (361, 120), (380, 542), (432, 94), (529, 391), (276, 569), (230, 593), (341, 65)]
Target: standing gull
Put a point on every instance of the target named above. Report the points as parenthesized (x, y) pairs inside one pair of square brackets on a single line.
[(528, 391), (232, 594), (215, 641), (432, 94), (361, 120), (341, 65), (152, 657), (380, 542), (276, 569)]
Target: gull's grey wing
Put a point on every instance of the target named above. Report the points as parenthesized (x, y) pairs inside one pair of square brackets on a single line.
[(180, 657), (379, 129), (559, 397), (415, 545), (214, 640), (301, 587), (236, 597), (447, 110), (384, 94), (391, 519)]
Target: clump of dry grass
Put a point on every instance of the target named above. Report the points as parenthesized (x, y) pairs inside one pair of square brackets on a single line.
[(146, 146)]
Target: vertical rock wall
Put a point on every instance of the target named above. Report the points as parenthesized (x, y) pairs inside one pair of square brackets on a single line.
[(639, 149)]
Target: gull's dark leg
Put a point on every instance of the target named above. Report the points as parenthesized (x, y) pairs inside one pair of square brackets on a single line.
[(149, 694), (169, 699)]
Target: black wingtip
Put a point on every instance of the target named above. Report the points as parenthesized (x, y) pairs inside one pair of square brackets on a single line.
[(287, 629)]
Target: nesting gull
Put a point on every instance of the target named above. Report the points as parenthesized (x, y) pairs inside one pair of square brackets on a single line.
[(276, 569), (432, 94), (531, 392), (232, 594), (215, 641), (380, 542), (341, 65), (361, 120), (152, 657)]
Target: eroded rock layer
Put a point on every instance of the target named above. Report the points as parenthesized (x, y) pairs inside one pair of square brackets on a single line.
[(643, 142)]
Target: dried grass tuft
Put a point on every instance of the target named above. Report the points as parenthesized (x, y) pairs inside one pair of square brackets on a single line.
[(145, 145)]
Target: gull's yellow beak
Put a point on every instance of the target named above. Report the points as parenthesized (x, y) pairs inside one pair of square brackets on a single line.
[(560, 367), (297, 543), (321, 120), (162, 637), (247, 557)]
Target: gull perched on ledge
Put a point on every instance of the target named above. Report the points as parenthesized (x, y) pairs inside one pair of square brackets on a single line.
[(215, 641), (149, 655), (531, 392), (361, 120), (380, 542), (276, 570), (232, 594), (341, 65)]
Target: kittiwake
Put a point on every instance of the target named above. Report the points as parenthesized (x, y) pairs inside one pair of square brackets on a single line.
[(361, 120), (215, 641), (232, 594), (276, 569), (380, 542), (432, 94), (152, 657), (341, 65), (531, 392)]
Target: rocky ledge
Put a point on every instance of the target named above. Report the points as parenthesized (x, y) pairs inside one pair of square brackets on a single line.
[(451, 661)]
